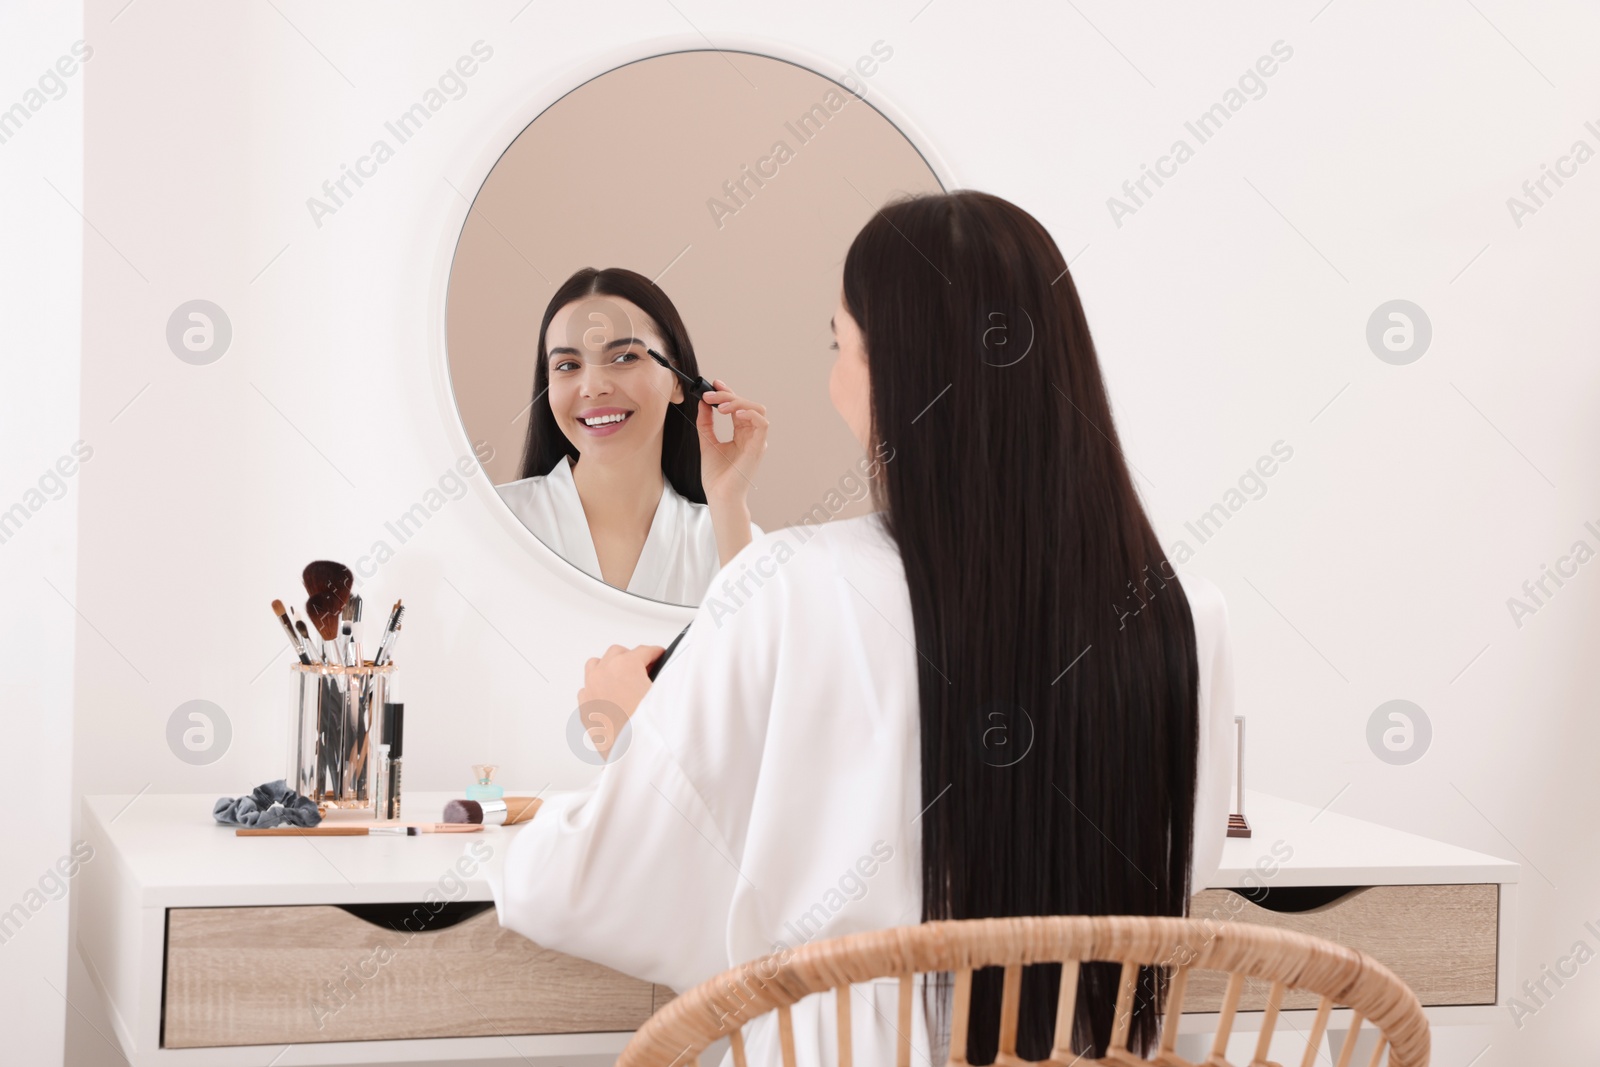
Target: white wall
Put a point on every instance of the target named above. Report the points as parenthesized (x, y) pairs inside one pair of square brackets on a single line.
[(41, 187), (1230, 310)]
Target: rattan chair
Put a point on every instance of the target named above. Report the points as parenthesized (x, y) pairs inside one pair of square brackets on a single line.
[(1342, 977)]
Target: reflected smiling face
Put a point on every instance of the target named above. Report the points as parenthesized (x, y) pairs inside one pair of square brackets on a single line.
[(849, 386), (607, 394)]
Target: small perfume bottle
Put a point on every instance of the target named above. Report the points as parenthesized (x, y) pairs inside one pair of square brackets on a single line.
[(485, 788)]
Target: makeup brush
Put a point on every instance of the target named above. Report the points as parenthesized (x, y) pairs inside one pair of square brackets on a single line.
[(288, 628), (326, 576), (693, 388), (323, 610), (328, 584), (347, 633), (502, 812), (345, 830), (305, 635), (355, 627), (299, 624), (394, 617), (392, 638), (386, 642)]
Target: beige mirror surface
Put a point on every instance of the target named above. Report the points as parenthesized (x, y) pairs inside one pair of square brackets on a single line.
[(734, 181)]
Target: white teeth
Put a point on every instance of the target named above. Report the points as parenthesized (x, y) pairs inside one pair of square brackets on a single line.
[(603, 420)]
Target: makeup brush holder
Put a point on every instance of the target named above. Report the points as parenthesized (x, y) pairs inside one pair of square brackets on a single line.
[(337, 723)]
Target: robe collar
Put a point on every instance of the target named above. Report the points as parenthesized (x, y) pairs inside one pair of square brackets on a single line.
[(662, 544)]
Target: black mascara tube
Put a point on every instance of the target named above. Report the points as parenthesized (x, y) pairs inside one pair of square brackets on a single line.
[(394, 737), (661, 660)]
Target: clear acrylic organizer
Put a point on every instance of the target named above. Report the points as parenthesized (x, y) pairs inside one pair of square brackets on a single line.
[(337, 723)]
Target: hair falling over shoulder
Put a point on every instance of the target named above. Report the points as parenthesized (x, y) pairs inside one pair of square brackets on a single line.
[(1060, 726)]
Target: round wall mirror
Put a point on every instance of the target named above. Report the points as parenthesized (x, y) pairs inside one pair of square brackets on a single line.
[(696, 206)]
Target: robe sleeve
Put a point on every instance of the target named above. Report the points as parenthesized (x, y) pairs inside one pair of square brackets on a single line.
[(636, 871), (1214, 785)]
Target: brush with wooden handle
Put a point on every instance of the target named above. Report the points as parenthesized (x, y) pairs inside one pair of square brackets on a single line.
[(288, 627), (411, 829), (503, 812)]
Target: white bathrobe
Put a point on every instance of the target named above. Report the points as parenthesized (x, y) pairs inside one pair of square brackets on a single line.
[(680, 552), (769, 792)]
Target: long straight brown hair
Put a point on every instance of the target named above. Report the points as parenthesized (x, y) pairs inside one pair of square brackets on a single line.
[(1057, 673), (680, 436)]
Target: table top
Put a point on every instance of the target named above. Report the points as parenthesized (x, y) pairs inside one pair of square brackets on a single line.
[(1311, 846), (173, 854)]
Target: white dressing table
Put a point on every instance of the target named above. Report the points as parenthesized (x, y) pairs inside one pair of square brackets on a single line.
[(199, 940)]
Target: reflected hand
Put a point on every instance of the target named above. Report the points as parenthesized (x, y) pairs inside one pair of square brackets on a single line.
[(728, 468)]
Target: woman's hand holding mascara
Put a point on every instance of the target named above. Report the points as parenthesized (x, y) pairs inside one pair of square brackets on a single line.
[(614, 684), (728, 468)]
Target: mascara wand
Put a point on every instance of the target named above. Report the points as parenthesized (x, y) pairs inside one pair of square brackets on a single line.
[(695, 388)]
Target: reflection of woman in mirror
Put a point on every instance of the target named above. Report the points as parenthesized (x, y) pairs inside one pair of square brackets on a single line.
[(623, 475)]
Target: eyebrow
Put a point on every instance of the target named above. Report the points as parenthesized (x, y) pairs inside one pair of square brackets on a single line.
[(621, 342), (831, 326)]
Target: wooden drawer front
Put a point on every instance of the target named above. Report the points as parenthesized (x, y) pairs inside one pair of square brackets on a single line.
[(1441, 940), (278, 975)]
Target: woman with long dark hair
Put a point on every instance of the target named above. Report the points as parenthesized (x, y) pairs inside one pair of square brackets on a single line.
[(993, 696), (622, 472)]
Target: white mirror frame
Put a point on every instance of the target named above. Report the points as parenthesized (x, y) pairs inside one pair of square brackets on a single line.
[(480, 149)]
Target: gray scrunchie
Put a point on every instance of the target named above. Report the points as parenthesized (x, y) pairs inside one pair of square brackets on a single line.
[(268, 805)]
